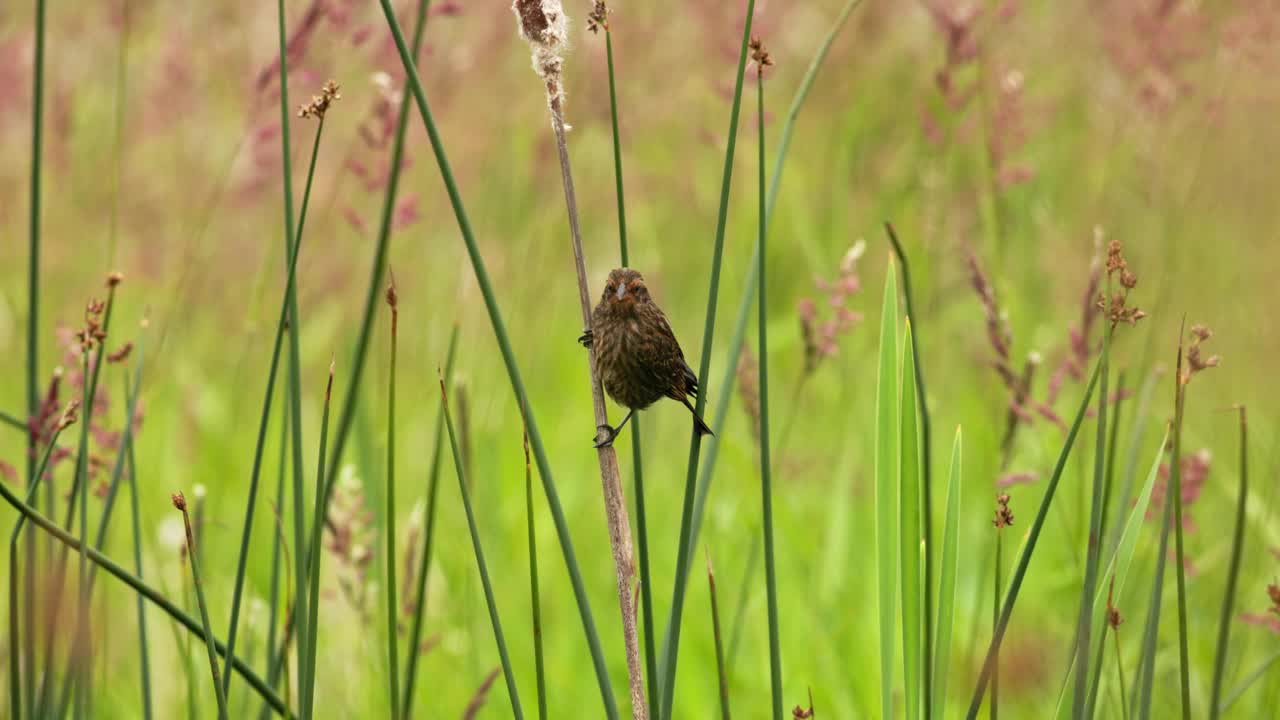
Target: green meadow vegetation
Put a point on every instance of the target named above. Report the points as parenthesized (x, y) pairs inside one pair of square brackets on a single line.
[(294, 423)]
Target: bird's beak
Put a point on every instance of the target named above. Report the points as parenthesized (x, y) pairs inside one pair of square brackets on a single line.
[(622, 291)]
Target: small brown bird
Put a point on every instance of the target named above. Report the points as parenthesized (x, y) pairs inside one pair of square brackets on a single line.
[(637, 356)]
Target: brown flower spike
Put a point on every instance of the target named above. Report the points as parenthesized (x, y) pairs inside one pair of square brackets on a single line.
[(760, 55), (1004, 517), (1117, 309), (638, 358), (319, 104), (598, 18)]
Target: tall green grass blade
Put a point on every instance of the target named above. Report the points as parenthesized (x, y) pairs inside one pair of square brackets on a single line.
[(489, 598), (273, 603), (1093, 546), (1250, 681), (534, 594), (373, 293), (721, 672), (1179, 566), (926, 454), (15, 627), (428, 541), (1233, 570), (78, 498), (307, 673), (887, 462), (509, 360), (12, 421), (393, 648), (745, 303), (671, 643), (1151, 631), (1033, 535), (33, 334), (144, 652), (1117, 568), (292, 407), (766, 478), (193, 561), (912, 572), (947, 581)]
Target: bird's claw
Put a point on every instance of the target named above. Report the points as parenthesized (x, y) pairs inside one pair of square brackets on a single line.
[(609, 434), (585, 338)]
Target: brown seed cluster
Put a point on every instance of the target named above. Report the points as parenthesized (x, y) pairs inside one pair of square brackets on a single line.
[(1004, 516), (759, 55), (69, 417), (319, 104), (122, 354), (92, 333), (179, 501), (1118, 309), (598, 18), (1196, 361)]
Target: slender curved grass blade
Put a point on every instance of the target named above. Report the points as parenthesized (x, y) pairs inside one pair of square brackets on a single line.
[(1118, 565), (947, 582), (912, 581), (1233, 571), (886, 474)]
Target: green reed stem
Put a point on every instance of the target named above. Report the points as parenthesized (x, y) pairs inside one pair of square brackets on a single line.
[(1124, 705), (291, 408), (12, 421), (489, 598), (1250, 681), (274, 657), (138, 586), (33, 333), (748, 295), (671, 646), (926, 442), (995, 625), (15, 627), (144, 653), (1175, 492), (373, 293), (393, 647), (1024, 560), (181, 504), (617, 149), (1093, 546), (766, 479), (307, 673), (721, 671), (1151, 631), (424, 564), (539, 664), (292, 244), (1233, 570), (509, 360)]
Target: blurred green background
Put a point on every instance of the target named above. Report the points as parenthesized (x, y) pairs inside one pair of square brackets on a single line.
[(1010, 131)]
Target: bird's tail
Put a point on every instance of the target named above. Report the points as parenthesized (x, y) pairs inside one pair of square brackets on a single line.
[(703, 428)]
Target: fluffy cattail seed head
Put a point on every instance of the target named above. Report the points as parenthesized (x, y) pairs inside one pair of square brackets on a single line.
[(545, 26)]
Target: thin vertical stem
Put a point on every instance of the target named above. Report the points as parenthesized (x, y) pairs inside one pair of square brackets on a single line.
[(995, 624), (1233, 570), (766, 479), (539, 665), (1180, 572), (33, 338), (393, 649), (671, 646), (721, 670), (428, 540), (307, 673), (180, 502), (144, 656), (490, 600), (1084, 624), (1124, 704)]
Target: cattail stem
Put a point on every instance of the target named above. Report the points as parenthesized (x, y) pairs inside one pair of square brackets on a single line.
[(547, 42), (181, 503)]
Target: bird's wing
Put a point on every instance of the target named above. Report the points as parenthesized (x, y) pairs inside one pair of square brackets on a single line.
[(680, 377)]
